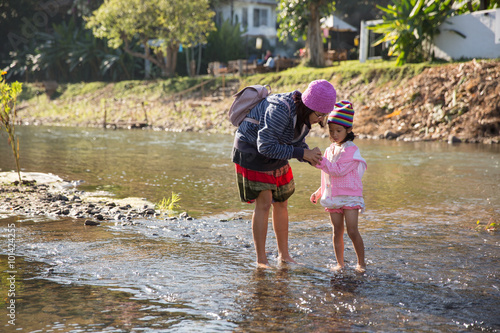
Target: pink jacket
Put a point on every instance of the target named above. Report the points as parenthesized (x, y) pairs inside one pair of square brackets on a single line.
[(343, 167)]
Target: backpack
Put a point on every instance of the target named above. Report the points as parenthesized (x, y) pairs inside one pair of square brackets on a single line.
[(244, 101)]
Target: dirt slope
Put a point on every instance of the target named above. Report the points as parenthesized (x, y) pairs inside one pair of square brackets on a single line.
[(456, 101)]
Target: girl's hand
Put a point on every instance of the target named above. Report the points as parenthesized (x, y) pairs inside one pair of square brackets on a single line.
[(313, 198)]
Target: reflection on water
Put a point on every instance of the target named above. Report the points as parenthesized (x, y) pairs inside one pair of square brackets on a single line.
[(429, 270)]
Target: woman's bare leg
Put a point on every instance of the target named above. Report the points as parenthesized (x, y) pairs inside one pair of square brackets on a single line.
[(260, 220), (280, 226)]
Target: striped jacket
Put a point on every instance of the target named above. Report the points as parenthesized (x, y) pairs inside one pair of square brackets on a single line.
[(274, 135)]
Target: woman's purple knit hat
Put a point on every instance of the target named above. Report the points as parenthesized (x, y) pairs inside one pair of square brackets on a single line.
[(320, 96)]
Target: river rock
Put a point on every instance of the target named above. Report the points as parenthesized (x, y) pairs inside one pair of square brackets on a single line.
[(453, 139), (90, 222), (390, 135)]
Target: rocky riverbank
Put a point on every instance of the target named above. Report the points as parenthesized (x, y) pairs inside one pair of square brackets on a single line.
[(454, 103), (45, 195)]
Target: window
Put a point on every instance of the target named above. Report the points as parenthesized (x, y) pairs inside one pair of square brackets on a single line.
[(259, 17), (244, 18)]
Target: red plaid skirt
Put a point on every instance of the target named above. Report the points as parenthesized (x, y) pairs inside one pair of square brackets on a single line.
[(251, 183)]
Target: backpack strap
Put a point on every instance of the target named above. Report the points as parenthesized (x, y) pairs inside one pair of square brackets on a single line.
[(257, 122)]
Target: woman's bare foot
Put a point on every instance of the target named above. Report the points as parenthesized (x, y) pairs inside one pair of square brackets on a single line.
[(263, 265), (287, 260), (360, 268)]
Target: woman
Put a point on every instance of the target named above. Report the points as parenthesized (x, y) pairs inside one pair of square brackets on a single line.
[(274, 134)]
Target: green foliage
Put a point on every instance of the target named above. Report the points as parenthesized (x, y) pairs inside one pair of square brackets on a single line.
[(8, 99), (475, 5), (169, 205), (301, 19), (70, 53), (160, 25), (410, 26), (491, 226), (295, 16), (225, 43)]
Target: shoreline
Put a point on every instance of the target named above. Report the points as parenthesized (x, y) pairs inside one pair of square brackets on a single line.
[(458, 102), (47, 195)]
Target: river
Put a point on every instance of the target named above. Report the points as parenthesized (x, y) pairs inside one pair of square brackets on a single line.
[(432, 265)]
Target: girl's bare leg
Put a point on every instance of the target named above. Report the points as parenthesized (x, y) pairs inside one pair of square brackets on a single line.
[(351, 221), (260, 220), (337, 220), (280, 226)]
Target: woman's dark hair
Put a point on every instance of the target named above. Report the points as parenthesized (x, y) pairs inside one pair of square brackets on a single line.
[(303, 111)]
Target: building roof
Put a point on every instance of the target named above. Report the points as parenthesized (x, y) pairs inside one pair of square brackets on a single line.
[(334, 23)]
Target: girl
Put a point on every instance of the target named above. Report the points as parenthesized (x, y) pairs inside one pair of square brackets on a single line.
[(341, 191)]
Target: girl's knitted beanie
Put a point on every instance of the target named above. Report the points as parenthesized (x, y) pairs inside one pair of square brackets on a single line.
[(342, 114)]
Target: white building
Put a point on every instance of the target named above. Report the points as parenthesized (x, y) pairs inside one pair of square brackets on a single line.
[(256, 17), (468, 36), (473, 35)]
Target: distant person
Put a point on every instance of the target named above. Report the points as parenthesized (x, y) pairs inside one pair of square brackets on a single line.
[(264, 61), (341, 191), (268, 55), (270, 63), (261, 152)]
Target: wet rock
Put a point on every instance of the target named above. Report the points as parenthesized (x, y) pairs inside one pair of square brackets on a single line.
[(119, 216), (99, 217), (390, 135), (61, 197), (453, 139), (90, 222), (149, 211), (185, 216)]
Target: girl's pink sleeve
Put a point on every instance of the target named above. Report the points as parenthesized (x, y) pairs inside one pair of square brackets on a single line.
[(337, 169)]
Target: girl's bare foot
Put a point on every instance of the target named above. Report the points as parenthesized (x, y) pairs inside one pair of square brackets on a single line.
[(337, 268)]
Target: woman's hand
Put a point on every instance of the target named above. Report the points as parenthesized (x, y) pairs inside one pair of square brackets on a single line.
[(313, 156)]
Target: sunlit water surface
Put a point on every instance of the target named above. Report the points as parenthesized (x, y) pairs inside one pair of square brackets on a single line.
[(431, 266)]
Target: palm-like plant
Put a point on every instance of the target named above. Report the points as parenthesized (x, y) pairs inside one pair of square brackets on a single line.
[(410, 26)]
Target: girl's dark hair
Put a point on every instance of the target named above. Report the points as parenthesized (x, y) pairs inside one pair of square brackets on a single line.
[(303, 111), (350, 136)]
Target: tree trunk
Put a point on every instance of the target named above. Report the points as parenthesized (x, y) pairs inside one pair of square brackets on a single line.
[(314, 39), (171, 60)]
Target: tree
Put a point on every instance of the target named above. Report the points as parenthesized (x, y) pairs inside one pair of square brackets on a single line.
[(410, 26), (8, 100), (302, 19), (161, 26)]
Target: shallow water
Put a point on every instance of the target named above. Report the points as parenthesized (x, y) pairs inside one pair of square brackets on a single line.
[(429, 269)]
